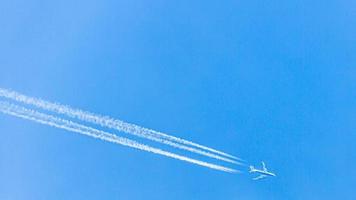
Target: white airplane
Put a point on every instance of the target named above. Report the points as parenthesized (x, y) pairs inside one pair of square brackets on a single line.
[(263, 173)]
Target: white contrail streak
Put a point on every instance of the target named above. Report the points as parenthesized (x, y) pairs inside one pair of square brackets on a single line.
[(53, 121), (108, 122)]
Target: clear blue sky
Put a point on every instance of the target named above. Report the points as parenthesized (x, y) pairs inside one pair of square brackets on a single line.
[(263, 80)]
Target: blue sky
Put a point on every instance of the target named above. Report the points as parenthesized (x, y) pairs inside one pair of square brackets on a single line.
[(271, 81)]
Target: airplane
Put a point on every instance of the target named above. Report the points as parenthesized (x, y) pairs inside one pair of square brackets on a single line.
[(263, 173)]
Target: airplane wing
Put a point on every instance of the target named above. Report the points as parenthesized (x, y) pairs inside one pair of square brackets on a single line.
[(264, 166), (259, 177)]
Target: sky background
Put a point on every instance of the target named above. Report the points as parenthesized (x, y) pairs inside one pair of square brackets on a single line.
[(263, 80)]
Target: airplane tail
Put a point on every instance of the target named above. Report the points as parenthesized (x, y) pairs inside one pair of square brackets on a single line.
[(252, 169)]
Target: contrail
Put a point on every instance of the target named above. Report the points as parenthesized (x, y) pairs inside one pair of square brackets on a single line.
[(53, 121), (108, 122)]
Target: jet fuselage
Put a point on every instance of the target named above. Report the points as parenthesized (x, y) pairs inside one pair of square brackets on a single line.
[(263, 172)]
